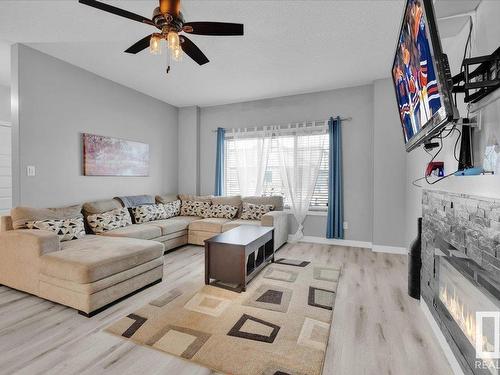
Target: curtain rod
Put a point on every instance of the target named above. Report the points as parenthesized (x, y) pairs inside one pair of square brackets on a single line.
[(285, 125)]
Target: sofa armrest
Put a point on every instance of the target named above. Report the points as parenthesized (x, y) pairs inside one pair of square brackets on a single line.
[(278, 220), (5, 223), (20, 253), (33, 241)]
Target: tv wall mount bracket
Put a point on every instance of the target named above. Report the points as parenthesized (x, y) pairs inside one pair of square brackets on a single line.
[(480, 76)]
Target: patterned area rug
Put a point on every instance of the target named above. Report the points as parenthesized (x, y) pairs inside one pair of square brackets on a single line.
[(280, 325)]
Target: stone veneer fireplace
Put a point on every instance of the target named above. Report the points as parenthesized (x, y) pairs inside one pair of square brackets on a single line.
[(461, 272)]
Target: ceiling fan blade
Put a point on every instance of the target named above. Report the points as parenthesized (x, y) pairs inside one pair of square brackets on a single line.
[(119, 12), (139, 46), (213, 28), (193, 51)]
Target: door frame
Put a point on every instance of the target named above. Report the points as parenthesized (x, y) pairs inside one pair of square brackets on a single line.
[(5, 124)]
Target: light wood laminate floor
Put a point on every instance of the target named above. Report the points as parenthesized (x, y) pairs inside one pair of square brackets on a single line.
[(377, 328)]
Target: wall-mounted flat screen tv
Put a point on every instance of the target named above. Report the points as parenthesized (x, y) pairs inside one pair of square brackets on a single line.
[(421, 76)]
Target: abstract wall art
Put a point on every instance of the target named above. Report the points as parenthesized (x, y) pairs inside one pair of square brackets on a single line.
[(106, 156)]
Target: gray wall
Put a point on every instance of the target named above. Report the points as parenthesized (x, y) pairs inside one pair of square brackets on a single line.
[(4, 104), (189, 139), (357, 142), (486, 38), (389, 168), (57, 102)]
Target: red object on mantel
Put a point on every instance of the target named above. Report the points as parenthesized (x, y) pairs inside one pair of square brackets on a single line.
[(435, 165)]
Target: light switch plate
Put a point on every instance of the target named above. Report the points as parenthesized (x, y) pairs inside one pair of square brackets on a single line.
[(30, 170), (346, 225)]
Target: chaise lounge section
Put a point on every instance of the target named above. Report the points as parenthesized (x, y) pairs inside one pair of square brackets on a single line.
[(86, 274)]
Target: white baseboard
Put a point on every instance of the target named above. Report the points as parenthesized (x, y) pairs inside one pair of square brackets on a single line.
[(389, 249), (352, 243), (333, 241), (455, 366)]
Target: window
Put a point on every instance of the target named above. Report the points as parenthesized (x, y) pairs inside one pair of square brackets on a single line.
[(272, 180)]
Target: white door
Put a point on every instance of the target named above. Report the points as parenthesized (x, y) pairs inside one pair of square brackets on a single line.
[(5, 168)]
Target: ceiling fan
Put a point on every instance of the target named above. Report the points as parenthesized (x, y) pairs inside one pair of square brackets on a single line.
[(168, 19)]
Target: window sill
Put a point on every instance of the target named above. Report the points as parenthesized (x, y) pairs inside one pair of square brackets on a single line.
[(310, 213)]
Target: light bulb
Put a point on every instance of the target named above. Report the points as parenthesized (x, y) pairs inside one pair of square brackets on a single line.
[(177, 54), (173, 40), (155, 45)]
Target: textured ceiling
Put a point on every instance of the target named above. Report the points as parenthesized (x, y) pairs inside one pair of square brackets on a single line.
[(289, 47)]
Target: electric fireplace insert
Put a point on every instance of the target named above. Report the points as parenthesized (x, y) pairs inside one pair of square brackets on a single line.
[(464, 288)]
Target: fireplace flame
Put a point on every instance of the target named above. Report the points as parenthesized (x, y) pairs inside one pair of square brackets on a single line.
[(465, 319)]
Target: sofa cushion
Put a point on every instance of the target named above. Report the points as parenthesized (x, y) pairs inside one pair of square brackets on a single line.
[(97, 257), (169, 209), (94, 287), (213, 225), (135, 200), (174, 224), (234, 200), (99, 207), (197, 198), (275, 200), (110, 220), (22, 215), (6, 223), (255, 211), (194, 208), (222, 211), (236, 223), (145, 213), (140, 231), (199, 237), (66, 230), (166, 198)]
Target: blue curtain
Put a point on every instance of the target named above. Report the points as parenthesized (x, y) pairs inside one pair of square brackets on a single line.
[(219, 163), (335, 223)]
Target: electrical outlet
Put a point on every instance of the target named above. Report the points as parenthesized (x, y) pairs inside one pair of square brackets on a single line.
[(30, 171), (346, 225)]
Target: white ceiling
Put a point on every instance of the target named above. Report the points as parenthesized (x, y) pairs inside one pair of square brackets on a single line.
[(447, 10), (289, 47)]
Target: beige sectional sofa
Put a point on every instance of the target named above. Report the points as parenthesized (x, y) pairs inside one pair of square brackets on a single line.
[(183, 230), (94, 271)]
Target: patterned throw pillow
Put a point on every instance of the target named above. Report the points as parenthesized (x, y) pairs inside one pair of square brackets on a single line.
[(145, 213), (110, 220), (168, 210), (222, 211), (255, 211), (66, 229), (194, 208)]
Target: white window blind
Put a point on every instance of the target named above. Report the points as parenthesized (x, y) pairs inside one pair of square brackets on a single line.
[(273, 184)]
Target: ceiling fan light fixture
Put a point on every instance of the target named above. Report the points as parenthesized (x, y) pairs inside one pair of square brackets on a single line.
[(177, 54), (173, 40), (169, 22), (155, 45)]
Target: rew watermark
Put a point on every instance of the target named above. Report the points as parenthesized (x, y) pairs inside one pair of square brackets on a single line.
[(487, 340)]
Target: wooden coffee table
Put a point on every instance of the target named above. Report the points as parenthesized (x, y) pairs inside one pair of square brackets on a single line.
[(238, 255)]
